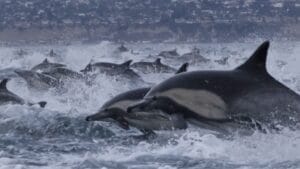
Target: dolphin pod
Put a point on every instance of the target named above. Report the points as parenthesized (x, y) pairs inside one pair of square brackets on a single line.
[(215, 98), (146, 122), (48, 74), (247, 96)]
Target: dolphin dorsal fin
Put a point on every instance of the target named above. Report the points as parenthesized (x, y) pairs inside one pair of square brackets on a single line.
[(46, 61), (3, 84), (126, 64), (183, 68), (157, 61), (257, 62)]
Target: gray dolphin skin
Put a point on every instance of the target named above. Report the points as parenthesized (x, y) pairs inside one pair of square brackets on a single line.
[(247, 93), (8, 73), (194, 57), (120, 71), (46, 66), (7, 97), (38, 81), (171, 54), (62, 73), (146, 122), (107, 68), (152, 67)]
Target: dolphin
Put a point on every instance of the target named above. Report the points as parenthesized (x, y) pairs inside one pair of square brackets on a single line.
[(122, 48), (107, 68), (38, 81), (7, 97), (52, 53), (146, 122), (171, 54), (247, 93), (152, 67), (62, 73), (120, 71), (21, 53), (8, 73), (46, 66), (194, 57), (223, 61)]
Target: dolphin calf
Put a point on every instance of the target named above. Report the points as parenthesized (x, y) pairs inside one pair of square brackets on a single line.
[(146, 122), (247, 93), (152, 67), (38, 81), (46, 66), (7, 97)]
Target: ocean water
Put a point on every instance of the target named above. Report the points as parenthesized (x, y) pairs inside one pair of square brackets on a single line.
[(59, 137)]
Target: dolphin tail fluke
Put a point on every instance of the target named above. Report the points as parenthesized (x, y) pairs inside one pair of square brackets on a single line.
[(3, 84), (183, 68)]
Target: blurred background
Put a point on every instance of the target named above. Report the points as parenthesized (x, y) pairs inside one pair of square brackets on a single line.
[(44, 21)]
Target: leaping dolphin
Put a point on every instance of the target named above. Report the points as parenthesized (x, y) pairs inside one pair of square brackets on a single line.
[(7, 97), (46, 66), (107, 68), (146, 122), (215, 98), (39, 81), (152, 67), (120, 71)]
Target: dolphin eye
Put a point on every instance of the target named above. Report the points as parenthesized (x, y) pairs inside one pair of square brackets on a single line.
[(154, 98)]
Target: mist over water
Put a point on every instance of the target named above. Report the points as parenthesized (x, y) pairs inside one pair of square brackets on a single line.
[(59, 137)]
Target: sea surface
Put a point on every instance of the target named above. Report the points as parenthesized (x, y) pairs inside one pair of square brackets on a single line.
[(59, 137)]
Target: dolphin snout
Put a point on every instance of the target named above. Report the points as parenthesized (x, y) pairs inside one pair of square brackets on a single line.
[(131, 109), (98, 116), (88, 118)]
